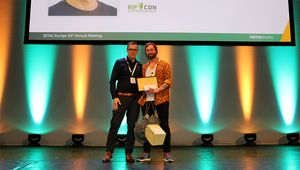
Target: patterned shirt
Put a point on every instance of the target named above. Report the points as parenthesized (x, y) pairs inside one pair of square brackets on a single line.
[(164, 75)]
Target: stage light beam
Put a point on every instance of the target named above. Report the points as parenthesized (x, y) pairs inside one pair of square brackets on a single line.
[(204, 63), (283, 62), (6, 19), (39, 65), (81, 59), (245, 60)]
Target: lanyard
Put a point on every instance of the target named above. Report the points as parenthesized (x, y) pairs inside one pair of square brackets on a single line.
[(132, 72)]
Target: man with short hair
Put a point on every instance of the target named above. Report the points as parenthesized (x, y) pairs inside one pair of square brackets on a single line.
[(125, 99), (159, 98), (81, 7)]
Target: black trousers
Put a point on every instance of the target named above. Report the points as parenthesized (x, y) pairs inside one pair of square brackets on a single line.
[(163, 115), (130, 106)]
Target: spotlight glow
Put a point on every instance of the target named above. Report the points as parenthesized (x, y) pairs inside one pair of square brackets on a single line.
[(39, 103), (245, 60), (39, 66), (6, 19), (81, 58), (204, 62), (79, 128), (283, 63)]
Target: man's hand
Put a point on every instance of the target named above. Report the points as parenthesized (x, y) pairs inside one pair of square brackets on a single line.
[(163, 87), (116, 103), (152, 91)]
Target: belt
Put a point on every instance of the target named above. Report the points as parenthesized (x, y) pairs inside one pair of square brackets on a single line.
[(128, 94)]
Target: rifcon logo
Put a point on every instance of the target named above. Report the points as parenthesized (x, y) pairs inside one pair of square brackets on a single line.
[(141, 5), (142, 8)]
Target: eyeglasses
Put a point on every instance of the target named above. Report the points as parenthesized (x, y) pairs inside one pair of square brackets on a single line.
[(150, 50), (130, 49)]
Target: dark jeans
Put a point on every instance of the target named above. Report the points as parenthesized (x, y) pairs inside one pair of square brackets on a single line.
[(163, 115), (129, 104)]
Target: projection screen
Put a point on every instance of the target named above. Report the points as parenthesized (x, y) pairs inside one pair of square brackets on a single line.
[(203, 22)]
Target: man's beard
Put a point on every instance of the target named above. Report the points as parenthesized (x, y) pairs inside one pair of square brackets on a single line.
[(152, 56)]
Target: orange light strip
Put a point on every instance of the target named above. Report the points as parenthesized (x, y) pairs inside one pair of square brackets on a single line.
[(245, 60), (165, 52), (6, 20), (81, 55)]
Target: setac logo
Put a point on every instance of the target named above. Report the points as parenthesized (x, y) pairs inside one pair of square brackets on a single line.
[(142, 8)]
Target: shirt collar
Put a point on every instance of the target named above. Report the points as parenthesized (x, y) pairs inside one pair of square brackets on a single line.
[(129, 61)]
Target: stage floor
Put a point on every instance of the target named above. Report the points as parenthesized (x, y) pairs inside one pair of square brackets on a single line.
[(206, 158)]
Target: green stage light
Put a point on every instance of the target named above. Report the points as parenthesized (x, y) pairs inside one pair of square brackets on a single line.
[(121, 140), (34, 140), (284, 68), (293, 138), (39, 65), (204, 65), (207, 140)]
